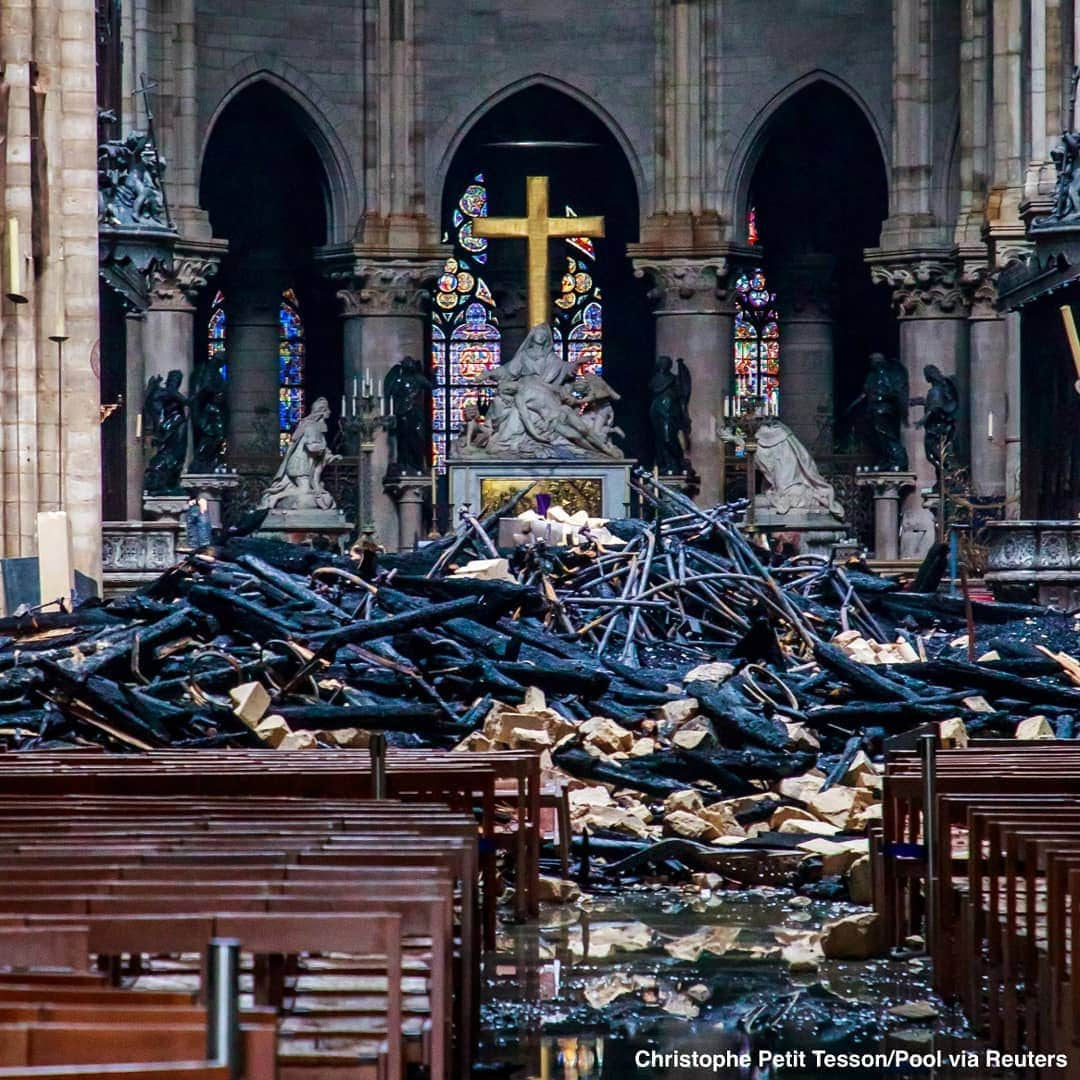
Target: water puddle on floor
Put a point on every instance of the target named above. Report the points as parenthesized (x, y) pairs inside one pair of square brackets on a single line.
[(595, 987)]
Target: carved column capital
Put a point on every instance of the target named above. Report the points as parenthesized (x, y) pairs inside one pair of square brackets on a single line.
[(923, 288), (177, 284), (395, 287), (684, 286), (980, 287)]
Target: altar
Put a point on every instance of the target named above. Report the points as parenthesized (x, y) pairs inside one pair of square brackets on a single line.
[(599, 486)]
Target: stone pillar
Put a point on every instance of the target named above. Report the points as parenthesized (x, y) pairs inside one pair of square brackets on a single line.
[(694, 320), (410, 493), (134, 392), (933, 330), (803, 296), (253, 339), (1013, 382), (384, 315), (168, 330), (989, 392), (887, 489)]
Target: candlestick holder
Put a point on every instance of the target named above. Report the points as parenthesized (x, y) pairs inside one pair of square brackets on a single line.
[(746, 413), (357, 434)]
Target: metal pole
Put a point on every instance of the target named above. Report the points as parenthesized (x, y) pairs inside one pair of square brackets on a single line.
[(377, 748), (928, 759), (223, 1045)]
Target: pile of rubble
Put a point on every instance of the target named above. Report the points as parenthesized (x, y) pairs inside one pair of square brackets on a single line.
[(701, 700)]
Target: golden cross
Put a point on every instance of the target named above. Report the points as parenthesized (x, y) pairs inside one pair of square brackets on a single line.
[(537, 228)]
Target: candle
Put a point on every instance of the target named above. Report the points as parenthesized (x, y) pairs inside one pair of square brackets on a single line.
[(138, 425), (354, 386), (59, 330), (391, 400), (343, 405), (14, 263), (990, 426)]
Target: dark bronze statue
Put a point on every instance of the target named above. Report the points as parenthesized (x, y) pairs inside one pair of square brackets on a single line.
[(940, 405), (165, 412), (209, 419), (884, 399), (669, 415), (1066, 159), (407, 389)]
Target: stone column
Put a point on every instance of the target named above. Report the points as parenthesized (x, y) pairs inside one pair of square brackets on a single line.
[(803, 296), (252, 356), (168, 330), (134, 392), (989, 392), (886, 489), (410, 493), (384, 314), (694, 320), (1013, 455), (932, 310)]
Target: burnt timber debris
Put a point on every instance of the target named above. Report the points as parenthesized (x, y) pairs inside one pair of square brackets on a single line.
[(698, 699)]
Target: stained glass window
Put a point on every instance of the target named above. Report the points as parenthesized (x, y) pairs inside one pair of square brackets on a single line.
[(291, 357), (757, 338), (215, 334), (464, 328)]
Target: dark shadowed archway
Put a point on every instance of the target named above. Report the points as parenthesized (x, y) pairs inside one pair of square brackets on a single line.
[(599, 310), (820, 194), (267, 193)]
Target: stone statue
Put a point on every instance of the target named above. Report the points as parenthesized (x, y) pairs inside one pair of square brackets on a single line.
[(595, 400), (885, 400), (1066, 159), (794, 484), (476, 432), (165, 419), (130, 175), (534, 412), (209, 418), (669, 415), (297, 485), (940, 406), (407, 388)]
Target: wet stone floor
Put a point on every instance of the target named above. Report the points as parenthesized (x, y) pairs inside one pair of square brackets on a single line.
[(595, 987)]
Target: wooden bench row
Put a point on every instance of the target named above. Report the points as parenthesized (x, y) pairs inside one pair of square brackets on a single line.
[(985, 844), (149, 875), (462, 780)]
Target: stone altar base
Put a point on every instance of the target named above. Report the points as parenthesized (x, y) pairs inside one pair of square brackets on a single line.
[(600, 486), (134, 553), (1035, 561), (818, 533), (304, 526)]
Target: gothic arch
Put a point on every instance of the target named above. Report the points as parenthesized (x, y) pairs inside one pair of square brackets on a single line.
[(319, 119), (748, 151), (572, 92)]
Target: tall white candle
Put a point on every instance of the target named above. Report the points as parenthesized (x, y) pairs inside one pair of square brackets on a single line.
[(990, 425)]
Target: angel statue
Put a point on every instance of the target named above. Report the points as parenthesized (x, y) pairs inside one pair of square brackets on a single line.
[(669, 415), (884, 398), (297, 485), (407, 388), (165, 419), (209, 418)]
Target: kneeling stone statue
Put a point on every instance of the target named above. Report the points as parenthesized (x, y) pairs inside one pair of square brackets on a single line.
[(297, 484), (794, 484)]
